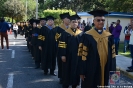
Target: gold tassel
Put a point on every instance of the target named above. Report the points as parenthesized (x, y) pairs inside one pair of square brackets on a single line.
[(113, 51), (57, 36), (83, 58), (40, 37), (43, 38)]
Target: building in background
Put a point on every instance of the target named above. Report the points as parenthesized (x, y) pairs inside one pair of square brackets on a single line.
[(125, 19)]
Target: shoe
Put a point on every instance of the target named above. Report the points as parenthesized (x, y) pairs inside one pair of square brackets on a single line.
[(54, 74), (129, 70), (129, 67)]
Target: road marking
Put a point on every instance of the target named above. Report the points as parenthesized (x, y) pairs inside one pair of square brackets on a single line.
[(13, 54), (18, 45), (10, 81), (14, 43)]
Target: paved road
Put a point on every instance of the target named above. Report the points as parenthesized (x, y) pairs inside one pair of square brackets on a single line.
[(17, 69)]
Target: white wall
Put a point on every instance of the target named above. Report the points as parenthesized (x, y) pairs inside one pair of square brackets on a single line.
[(86, 18)]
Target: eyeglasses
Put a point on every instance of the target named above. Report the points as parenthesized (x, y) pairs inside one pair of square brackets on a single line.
[(98, 20)]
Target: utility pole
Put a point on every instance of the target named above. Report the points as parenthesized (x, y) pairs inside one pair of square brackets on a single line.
[(36, 9), (26, 12)]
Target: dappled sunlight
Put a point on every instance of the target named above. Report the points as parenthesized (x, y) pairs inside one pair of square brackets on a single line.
[(27, 67), (3, 61), (1, 86), (18, 72), (42, 80), (127, 54)]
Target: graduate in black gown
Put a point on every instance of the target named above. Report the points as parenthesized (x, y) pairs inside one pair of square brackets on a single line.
[(68, 45), (27, 34), (96, 53), (30, 29), (42, 22), (34, 42), (44, 46), (55, 35)]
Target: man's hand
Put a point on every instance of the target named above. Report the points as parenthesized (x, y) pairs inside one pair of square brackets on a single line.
[(40, 48), (63, 58), (82, 77)]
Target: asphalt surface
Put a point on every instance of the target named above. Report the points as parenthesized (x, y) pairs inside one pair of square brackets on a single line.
[(17, 69)]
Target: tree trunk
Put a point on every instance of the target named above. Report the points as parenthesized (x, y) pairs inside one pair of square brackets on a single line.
[(12, 19)]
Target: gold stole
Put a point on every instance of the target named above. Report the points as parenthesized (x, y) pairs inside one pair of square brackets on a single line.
[(69, 30), (57, 35), (63, 27), (102, 47)]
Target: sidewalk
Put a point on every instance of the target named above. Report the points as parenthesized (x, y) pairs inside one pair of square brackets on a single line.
[(122, 63)]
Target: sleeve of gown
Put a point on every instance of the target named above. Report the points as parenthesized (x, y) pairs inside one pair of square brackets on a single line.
[(52, 43), (113, 62), (62, 44), (40, 37), (30, 35), (82, 55)]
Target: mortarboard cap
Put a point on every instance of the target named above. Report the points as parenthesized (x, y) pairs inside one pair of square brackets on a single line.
[(74, 17), (64, 15), (50, 18), (42, 19), (34, 21), (96, 13)]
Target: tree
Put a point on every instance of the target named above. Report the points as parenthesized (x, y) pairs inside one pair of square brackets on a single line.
[(14, 9), (120, 5), (31, 8), (87, 5), (1, 7)]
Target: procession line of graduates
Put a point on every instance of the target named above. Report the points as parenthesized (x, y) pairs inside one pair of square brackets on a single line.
[(88, 56)]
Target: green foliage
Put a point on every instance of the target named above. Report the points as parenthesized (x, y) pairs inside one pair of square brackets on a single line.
[(14, 9), (31, 8), (17, 8), (87, 5), (56, 13), (1, 7), (120, 5)]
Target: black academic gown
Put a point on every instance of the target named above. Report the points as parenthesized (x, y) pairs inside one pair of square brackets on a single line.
[(19, 29), (87, 28), (29, 41), (52, 51), (89, 55), (43, 41), (22, 30), (34, 43), (55, 37), (27, 36), (68, 45)]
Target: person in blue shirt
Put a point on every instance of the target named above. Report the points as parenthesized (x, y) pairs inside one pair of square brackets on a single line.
[(4, 27)]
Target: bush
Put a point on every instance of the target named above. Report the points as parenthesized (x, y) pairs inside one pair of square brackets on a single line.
[(56, 14)]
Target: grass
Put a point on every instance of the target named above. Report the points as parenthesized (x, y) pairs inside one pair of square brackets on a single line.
[(127, 53)]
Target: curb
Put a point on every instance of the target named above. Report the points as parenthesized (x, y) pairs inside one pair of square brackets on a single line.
[(124, 72)]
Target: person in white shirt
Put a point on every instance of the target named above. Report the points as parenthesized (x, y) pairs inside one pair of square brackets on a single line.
[(15, 29), (130, 69), (127, 38)]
